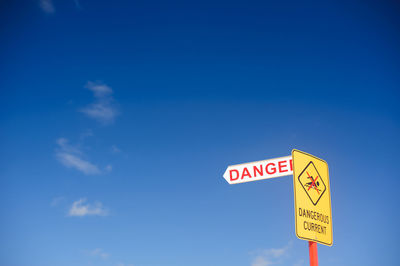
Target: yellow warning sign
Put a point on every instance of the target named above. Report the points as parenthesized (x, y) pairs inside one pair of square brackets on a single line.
[(312, 198)]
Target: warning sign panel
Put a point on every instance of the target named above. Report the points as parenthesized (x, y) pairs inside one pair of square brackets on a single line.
[(313, 185), (312, 198)]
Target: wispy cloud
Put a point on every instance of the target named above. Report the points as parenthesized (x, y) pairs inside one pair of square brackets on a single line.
[(82, 208), (270, 256), (71, 157), (115, 149), (300, 262), (261, 261), (97, 253), (78, 4), (103, 109), (47, 6), (109, 168), (56, 201), (73, 161), (86, 134)]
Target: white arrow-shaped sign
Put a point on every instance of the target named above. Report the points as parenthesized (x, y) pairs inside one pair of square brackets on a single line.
[(259, 170)]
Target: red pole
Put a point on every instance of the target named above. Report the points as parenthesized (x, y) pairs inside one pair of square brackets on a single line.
[(313, 251)]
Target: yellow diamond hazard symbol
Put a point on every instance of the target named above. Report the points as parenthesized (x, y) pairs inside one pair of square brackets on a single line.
[(312, 182)]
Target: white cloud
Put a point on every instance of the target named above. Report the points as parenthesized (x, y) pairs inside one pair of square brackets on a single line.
[(276, 252), (56, 201), (47, 6), (64, 145), (261, 261), (101, 112), (97, 253), (299, 263), (109, 168), (81, 208), (100, 90), (86, 134), (104, 108), (73, 161), (71, 157), (270, 256), (123, 264), (115, 149)]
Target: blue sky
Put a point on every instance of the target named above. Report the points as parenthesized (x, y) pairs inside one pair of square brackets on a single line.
[(118, 120)]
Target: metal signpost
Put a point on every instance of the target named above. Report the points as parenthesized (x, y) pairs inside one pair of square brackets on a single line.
[(312, 195)]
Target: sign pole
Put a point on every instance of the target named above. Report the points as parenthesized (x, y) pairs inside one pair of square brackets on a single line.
[(313, 251)]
